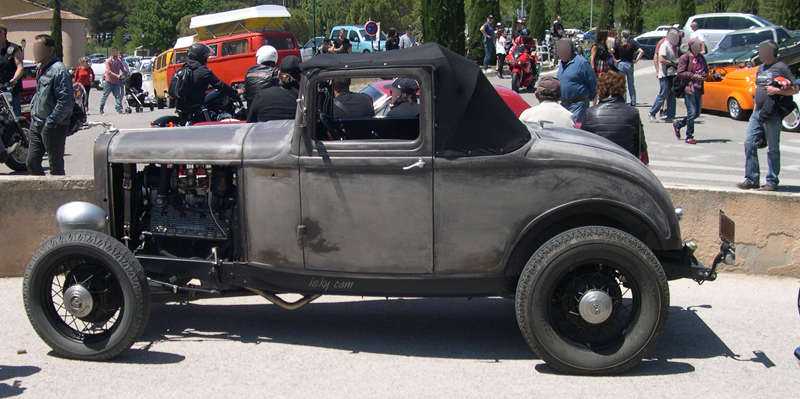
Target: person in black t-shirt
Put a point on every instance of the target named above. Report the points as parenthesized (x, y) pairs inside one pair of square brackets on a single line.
[(347, 104), (11, 68), (558, 28), (768, 89), (404, 98), (626, 54), (279, 102), (341, 44)]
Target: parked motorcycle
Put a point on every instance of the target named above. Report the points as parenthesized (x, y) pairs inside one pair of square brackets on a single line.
[(522, 62), (216, 107), (14, 134)]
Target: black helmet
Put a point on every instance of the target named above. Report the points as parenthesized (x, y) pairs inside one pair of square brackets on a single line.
[(525, 32), (199, 52)]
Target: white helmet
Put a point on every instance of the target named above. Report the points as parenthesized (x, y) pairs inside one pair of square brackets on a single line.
[(267, 53)]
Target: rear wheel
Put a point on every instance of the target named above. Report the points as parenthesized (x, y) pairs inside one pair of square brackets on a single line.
[(515, 81), (735, 110), (791, 122), (170, 102), (18, 149), (593, 300), (160, 103), (86, 295)]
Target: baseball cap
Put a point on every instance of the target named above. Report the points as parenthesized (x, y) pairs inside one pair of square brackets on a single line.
[(549, 86), (408, 27), (405, 85), (490, 16)]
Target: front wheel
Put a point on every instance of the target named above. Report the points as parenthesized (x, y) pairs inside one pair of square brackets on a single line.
[(86, 295), (791, 122), (592, 300), (515, 81), (17, 147), (735, 110)]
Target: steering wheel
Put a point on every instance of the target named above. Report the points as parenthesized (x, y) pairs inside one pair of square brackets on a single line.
[(333, 128)]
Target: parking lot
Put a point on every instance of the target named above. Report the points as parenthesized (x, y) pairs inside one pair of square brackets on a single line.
[(732, 338)]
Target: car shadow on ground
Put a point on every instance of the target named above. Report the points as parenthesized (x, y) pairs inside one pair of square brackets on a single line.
[(480, 329), (9, 387)]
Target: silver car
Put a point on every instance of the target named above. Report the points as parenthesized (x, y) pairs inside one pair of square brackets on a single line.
[(448, 194)]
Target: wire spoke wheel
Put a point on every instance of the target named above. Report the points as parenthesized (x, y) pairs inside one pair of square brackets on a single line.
[(592, 300), (86, 295)]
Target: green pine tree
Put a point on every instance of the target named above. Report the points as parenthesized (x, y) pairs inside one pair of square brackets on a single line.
[(751, 7), (443, 23), (632, 18), (606, 20), (55, 29), (686, 8), (538, 22), (717, 5), (789, 16)]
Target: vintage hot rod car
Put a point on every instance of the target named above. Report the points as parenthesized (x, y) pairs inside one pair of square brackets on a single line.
[(461, 200)]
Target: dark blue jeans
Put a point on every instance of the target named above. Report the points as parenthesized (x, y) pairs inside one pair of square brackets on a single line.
[(772, 128), (487, 54), (694, 104), (664, 94)]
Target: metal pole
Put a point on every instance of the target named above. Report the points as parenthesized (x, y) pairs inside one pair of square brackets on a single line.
[(313, 28), (591, 15)]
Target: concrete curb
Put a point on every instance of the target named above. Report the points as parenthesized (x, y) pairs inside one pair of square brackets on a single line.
[(766, 226)]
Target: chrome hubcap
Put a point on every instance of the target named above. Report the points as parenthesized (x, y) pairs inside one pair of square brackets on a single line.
[(595, 306), (78, 300)]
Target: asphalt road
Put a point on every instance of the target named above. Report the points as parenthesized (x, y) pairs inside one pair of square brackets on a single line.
[(716, 161), (732, 338)]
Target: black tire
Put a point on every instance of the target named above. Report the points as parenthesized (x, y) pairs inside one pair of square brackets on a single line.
[(735, 110), (152, 108), (170, 103), (515, 81), (592, 262), (118, 287), (16, 159), (160, 103)]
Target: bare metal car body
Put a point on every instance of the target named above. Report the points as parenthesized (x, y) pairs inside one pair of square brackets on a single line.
[(421, 217)]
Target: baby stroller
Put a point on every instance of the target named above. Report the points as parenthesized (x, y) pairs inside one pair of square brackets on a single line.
[(134, 95)]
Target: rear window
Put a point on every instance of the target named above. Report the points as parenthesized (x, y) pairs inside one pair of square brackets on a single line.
[(179, 58), (281, 43), (747, 39), (29, 72), (234, 47)]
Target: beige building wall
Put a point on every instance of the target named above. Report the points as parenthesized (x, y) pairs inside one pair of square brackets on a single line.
[(73, 37)]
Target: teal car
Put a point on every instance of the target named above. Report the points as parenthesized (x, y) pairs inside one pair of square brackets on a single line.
[(741, 47), (359, 39)]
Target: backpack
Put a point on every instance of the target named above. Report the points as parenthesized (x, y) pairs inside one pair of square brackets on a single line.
[(181, 83)]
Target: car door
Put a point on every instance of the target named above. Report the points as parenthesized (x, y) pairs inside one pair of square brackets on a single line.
[(367, 204)]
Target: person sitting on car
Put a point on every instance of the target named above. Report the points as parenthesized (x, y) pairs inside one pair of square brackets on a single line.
[(347, 104), (202, 77), (263, 75), (279, 102), (404, 98)]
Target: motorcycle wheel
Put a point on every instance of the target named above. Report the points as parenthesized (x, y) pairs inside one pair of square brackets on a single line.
[(515, 80), (16, 159)]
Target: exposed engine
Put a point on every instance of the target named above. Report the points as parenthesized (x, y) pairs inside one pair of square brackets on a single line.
[(188, 209)]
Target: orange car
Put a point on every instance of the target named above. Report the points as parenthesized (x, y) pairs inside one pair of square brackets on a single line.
[(731, 89)]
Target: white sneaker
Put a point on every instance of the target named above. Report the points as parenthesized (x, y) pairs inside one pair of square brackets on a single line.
[(651, 118)]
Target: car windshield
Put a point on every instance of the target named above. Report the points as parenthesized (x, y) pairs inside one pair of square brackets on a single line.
[(367, 37), (762, 21), (280, 43), (744, 39)]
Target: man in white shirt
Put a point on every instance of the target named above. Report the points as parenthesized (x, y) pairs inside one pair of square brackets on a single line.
[(696, 34), (407, 40), (549, 112), (668, 57)]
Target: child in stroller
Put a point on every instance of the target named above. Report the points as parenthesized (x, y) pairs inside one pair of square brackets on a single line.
[(134, 95)]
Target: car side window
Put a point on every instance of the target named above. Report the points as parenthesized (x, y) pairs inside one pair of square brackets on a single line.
[(701, 23), (783, 35), (215, 48), (722, 23), (368, 108), (234, 47), (354, 36), (742, 23)]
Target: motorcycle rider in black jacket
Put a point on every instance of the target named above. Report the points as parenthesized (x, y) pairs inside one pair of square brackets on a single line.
[(263, 75), (202, 77)]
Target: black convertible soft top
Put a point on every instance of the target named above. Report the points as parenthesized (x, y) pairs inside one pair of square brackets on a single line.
[(471, 118)]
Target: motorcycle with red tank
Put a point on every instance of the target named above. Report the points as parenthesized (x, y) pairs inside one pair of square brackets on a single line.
[(522, 62)]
